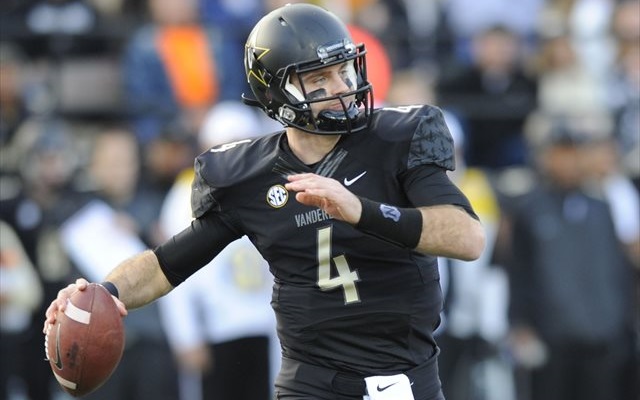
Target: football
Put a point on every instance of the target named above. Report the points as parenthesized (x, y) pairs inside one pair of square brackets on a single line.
[(86, 343)]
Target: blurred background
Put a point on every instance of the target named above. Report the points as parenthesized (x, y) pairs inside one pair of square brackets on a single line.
[(105, 103)]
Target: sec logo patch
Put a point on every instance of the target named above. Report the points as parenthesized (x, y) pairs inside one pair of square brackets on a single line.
[(277, 196)]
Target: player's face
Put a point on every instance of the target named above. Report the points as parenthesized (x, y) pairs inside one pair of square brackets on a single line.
[(327, 82)]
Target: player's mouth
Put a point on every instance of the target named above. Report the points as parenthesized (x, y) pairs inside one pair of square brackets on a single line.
[(338, 106)]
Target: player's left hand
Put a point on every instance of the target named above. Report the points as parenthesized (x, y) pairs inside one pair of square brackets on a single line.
[(327, 194)]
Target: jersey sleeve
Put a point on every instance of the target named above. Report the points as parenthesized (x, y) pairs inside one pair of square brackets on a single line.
[(188, 251), (429, 185), (431, 142), (202, 197)]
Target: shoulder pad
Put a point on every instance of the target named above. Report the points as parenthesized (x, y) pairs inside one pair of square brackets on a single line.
[(228, 165), (423, 126), (432, 142)]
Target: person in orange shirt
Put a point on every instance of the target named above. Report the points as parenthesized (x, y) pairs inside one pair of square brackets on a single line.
[(171, 72)]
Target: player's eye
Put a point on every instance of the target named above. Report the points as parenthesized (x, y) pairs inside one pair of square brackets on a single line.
[(319, 80)]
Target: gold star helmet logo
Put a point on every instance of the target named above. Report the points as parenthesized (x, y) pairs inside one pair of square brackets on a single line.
[(255, 53)]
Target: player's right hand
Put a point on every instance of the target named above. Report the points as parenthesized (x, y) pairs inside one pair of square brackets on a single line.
[(327, 194), (60, 303)]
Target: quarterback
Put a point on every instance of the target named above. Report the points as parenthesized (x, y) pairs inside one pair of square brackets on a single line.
[(350, 206)]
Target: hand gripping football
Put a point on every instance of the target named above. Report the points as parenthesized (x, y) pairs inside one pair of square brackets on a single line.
[(86, 343)]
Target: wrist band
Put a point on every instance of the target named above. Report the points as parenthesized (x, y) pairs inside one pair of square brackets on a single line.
[(111, 288), (401, 226)]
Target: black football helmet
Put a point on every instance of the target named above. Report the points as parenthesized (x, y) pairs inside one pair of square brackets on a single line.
[(296, 39)]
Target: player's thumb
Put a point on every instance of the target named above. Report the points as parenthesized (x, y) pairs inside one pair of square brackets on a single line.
[(121, 307)]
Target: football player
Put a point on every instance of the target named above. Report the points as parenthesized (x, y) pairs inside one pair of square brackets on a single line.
[(349, 205)]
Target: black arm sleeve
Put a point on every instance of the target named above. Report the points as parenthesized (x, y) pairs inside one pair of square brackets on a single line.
[(194, 247), (429, 185)]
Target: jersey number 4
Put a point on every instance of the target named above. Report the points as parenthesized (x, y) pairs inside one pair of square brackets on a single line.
[(345, 278)]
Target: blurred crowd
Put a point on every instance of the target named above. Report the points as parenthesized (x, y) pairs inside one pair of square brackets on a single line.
[(105, 103)]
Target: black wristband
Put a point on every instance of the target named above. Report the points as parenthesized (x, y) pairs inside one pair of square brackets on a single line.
[(401, 226), (111, 288)]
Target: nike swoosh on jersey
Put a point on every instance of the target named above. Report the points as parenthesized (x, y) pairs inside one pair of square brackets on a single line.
[(349, 182), (382, 389)]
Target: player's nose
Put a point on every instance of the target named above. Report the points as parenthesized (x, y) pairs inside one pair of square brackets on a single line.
[(339, 85)]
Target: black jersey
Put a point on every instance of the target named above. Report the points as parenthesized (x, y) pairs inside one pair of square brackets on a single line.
[(343, 299)]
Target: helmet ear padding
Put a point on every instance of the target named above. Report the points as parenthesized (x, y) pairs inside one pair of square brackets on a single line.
[(293, 90)]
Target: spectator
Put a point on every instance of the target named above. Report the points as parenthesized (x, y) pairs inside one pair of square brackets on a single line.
[(565, 85), (492, 96), (429, 35), (119, 218), (388, 21), (233, 21), (475, 310), (34, 204), (589, 25), (467, 19), (567, 269), (379, 68), (172, 71), (604, 179), (624, 86), (166, 155), (12, 107), (20, 295)]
